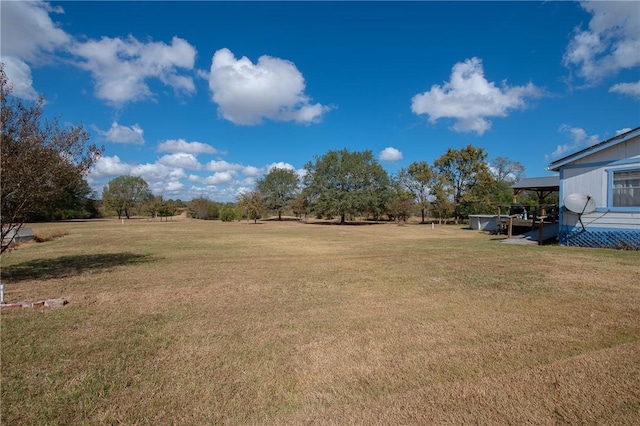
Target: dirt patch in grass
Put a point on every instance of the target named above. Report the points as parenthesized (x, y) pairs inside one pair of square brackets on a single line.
[(200, 322)]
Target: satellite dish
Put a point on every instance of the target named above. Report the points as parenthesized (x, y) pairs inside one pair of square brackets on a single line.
[(580, 203)]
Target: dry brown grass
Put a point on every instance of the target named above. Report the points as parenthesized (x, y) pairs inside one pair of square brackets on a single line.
[(191, 322), (48, 234)]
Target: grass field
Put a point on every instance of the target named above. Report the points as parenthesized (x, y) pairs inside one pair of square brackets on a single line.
[(194, 322)]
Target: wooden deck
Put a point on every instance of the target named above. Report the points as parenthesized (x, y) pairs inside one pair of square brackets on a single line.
[(535, 230), (549, 233)]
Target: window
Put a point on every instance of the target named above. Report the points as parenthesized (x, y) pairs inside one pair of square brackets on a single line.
[(626, 188)]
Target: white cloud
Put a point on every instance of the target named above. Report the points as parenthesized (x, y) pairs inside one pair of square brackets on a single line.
[(579, 139), (469, 98), (167, 176), (625, 130), (610, 44), (180, 160), (120, 67), (222, 166), (181, 145), (152, 172), (390, 154), (247, 93), (242, 190), (220, 178), (173, 187), (110, 166), (301, 173), (28, 31), (28, 36), (251, 171), (19, 76), (248, 181), (280, 165), (629, 89), (123, 134)]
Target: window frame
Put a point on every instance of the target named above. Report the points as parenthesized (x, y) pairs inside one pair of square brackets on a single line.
[(610, 189)]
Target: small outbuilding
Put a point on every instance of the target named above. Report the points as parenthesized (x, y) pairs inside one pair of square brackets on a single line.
[(24, 234), (600, 194)]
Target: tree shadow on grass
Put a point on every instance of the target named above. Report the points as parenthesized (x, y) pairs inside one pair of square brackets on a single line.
[(66, 266)]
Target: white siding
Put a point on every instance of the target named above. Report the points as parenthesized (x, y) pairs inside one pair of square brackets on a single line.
[(627, 149), (593, 181), (589, 181)]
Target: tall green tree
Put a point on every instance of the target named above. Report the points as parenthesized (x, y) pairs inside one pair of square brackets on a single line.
[(346, 182), (417, 179), (77, 201), (39, 160), (481, 197), (278, 189), (459, 171), (124, 193)]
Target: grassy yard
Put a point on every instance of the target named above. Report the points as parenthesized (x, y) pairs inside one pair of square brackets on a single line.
[(194, 322)]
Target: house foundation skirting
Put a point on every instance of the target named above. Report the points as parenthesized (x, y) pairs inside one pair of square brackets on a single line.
[(617, 239)]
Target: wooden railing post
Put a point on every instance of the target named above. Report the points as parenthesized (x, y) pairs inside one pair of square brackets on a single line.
[(540, 226)]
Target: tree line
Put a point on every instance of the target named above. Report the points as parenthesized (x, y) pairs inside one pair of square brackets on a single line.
[(44, 166), (346, 184)]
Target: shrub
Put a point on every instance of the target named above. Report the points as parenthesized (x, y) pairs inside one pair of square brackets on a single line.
[(229, 213), (49, 234)]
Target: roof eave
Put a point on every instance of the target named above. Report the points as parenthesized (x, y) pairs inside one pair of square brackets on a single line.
[(556, 165)]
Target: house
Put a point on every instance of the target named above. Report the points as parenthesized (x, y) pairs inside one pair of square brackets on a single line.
[(605, 178)]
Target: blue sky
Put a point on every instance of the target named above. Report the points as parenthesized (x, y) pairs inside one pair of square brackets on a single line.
[(203, 98)]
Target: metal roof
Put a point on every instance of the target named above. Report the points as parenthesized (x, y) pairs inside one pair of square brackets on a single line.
[(555, 166), (546, 183)]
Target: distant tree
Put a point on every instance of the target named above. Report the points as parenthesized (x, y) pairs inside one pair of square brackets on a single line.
[(505, 173), (442, 205), (417, 179), (345, 182), (506, 170), (40, 161), (124, 193), (460, 170), (300, 205), (278, 188), (167, 209), (252, 204), (401, 203), (203, 208), (230, 212), (158, 206), (482, 197)]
